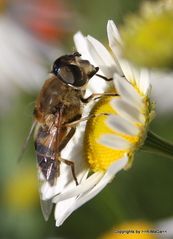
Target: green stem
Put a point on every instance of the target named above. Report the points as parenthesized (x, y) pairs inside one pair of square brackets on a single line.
[(156, 145)]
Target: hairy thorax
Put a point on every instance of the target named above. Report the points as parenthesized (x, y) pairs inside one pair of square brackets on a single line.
[(56, 97)]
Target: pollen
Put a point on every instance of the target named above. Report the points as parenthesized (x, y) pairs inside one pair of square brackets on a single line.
[(99, 156)]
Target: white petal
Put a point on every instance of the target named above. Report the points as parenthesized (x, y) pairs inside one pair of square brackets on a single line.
[(115, 142), (127, 111), (64, 183), (46, 191), (96, 84), (113, 33), (81, 44), (144, 82), (136, 76), (64, 201), (81, 188), (114, 42), (65, 180), (121, 125), (101, 57), (165, 225), (63, 209), (130, 72), (127, 91), (127, 70)]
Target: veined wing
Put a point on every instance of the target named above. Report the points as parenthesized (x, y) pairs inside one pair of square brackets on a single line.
[(45, 146), (47, 140), (46, 208)]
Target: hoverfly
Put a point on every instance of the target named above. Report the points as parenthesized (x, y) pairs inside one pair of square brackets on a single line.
[(59, 103), (58, 110)]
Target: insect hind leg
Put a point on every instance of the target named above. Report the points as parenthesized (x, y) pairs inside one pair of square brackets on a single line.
[(71, 164)]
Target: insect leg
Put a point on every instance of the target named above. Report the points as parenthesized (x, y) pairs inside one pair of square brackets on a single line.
[(96, 96), (66, 139), (76, 122), (71, 164), (104, 77)]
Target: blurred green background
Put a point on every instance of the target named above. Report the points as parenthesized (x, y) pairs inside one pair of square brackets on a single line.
[(143, 192)]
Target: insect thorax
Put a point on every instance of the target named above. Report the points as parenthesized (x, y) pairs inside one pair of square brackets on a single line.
[(55, 96)]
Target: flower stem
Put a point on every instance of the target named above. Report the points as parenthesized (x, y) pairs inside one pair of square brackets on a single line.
[(157, 145)]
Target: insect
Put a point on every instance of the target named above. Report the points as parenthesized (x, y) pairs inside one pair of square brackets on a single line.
[(58, 110), (60, 103)]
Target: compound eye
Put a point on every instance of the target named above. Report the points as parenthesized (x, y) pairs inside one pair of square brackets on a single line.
[(79, 79), (66, 75), (71, 74)]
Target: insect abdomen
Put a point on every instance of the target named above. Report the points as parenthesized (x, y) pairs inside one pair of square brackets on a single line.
[(47, 163)]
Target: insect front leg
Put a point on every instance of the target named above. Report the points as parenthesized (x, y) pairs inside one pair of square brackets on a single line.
[(104, 77), (96, 96)]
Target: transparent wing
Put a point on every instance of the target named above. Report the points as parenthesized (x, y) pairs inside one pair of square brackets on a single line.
[(46, 208), (45, 146), (25, 144), (47, 140)]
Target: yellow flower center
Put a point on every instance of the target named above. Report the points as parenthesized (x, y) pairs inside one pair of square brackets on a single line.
[(100, 157)]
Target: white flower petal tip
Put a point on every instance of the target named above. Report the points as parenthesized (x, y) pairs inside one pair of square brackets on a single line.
[(127, 91), (145, 82), (113, 34), (64, 208), (120, 124), (103, 58), (81, 44), (78, 36), (114, 43), (79, 40), (115, 142)]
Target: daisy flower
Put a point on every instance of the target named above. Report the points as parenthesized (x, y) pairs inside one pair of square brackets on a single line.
[(106, 143), (154, 23), (110, 138)]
